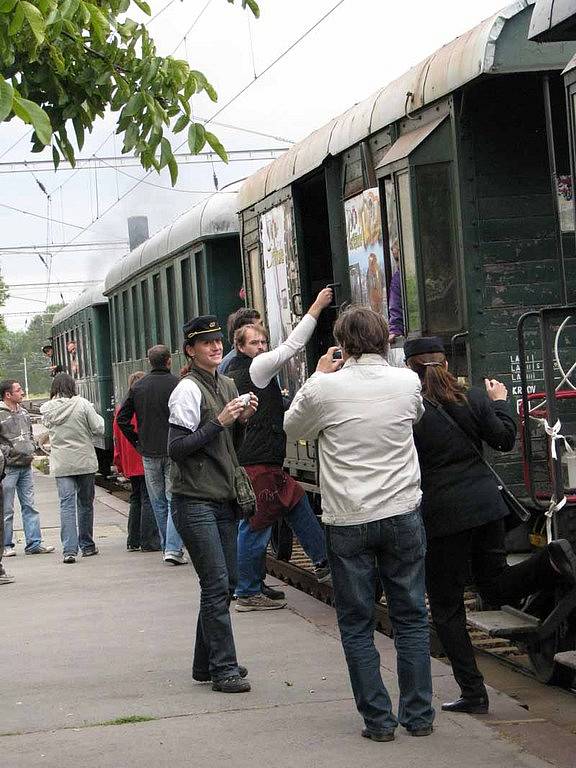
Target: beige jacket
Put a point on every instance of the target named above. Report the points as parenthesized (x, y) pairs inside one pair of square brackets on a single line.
[(362, 416)]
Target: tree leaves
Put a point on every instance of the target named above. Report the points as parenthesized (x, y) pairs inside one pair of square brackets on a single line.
[(6, 95), (196, 137), (214, 142), (71, 60)]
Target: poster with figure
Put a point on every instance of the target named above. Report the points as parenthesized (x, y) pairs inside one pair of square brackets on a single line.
[(280, 273), (366, 251)]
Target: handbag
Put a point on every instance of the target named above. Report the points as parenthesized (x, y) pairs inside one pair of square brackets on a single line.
[(513, 505)]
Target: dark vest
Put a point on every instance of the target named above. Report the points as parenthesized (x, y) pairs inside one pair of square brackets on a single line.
[(208, 474), (265, 440)]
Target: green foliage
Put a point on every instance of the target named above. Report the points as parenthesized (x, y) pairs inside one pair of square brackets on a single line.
[(28, 344), (64, 62)]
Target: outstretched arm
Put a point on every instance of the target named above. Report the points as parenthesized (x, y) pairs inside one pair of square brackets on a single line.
[(269, 364)]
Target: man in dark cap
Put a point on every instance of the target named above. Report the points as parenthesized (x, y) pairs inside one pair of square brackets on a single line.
[(206, 429)]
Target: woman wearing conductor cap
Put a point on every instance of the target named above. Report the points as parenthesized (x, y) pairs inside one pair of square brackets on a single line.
[(464, 511), (206, 424)]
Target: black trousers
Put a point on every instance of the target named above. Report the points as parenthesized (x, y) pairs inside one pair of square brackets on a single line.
[(447, 569), (142, 528)]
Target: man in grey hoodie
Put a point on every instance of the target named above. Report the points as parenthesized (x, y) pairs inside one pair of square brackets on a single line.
[(17, 446)]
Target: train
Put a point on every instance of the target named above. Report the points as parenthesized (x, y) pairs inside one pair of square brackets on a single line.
[(457, 175)]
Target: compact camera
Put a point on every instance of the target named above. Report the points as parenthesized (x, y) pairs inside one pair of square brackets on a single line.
[(245, 399)]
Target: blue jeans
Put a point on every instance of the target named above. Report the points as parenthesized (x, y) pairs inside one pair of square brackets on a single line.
[(209, 532), (76, 496), (20, 480), (252, 545), (157, 475), (392, 550)]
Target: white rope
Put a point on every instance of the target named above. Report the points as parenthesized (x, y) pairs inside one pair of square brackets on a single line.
[(553, 433)]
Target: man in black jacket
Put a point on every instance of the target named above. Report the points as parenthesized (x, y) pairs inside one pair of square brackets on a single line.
[(277, 493), (148, 400)]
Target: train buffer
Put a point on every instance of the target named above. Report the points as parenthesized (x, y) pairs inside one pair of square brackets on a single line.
[(508, 622)]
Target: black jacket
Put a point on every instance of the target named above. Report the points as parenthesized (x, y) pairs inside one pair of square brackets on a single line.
[(458, 490), (265, 440), (148, 399)]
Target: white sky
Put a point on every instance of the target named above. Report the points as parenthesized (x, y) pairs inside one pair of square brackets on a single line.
[(360, 47)]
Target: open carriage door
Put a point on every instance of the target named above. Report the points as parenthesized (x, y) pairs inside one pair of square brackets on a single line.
[(416, 177)]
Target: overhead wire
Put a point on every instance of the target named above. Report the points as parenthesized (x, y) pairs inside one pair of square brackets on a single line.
[(191, 27), (38, 216)]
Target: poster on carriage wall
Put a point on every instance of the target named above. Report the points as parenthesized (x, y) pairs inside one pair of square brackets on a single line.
[(366, 251), (274, 249), (279, 258)]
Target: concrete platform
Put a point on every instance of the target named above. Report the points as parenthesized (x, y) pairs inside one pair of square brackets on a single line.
[(84, 647)]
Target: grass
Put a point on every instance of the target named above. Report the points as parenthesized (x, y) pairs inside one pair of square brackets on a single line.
[(128, 719)]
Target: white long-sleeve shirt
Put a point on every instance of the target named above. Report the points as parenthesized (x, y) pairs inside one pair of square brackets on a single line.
[(269, 364)]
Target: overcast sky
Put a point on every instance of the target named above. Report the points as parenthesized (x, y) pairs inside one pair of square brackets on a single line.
[(360, 47)]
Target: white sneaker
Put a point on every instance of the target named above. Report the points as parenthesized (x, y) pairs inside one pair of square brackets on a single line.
[(9, 551), (175, 558)]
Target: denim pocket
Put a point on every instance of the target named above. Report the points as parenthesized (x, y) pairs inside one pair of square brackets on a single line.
[(410, 536), (346, 540)]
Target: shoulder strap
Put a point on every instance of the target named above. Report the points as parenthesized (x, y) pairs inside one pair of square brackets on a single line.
[(454, 424)]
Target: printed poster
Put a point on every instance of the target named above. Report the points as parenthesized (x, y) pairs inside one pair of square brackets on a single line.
[(366, 251)]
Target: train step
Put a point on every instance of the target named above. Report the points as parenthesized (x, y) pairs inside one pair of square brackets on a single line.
[(566, 659), (508, 622)]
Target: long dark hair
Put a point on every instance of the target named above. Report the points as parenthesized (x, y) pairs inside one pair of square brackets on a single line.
[(63, 386), (438, 384)]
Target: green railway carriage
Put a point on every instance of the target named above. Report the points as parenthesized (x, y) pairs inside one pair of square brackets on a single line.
[(191, 267), (457, 174), (81, 339)]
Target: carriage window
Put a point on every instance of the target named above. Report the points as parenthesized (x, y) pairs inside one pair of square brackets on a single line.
[(256, 281), (172, 317), (128, 340), (116, 314), (136, 323), (82, 363), (156, 292), (437, 247), (92, 348), (187, 297), (412, 300), (201, 282), (146, 314)]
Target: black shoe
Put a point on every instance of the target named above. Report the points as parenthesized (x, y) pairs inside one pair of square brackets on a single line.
[(270, 592), (476, 706), (204, 677), (378, 735), (231, 685), (563, 559), (426, 730)]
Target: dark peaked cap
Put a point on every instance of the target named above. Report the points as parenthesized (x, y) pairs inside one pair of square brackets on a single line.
[(423, 346), (205, 327)]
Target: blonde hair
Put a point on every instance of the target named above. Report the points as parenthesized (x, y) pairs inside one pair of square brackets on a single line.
[(241, 333), (134, 377)]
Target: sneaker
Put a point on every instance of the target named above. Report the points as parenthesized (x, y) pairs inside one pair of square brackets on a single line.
[(133, 549), (231, 685), (258, 603), (9, 551), (204, 677), (272, 593), (322, 572), (90, 552), (378, 735), (5, 578), (424, 731), (41, 550), (175, 558), (69, 559)]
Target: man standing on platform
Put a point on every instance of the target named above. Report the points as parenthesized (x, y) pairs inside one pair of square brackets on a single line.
[(17, 446), (362, 410), (148, 399)]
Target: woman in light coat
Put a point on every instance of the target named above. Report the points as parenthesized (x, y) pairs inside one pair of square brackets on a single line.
[(72, 424)]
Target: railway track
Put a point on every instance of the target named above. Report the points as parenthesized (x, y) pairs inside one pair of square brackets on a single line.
[(298, 573)]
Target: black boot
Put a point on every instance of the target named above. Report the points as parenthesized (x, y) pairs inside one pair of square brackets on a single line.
[(477, 705), (273, 594)]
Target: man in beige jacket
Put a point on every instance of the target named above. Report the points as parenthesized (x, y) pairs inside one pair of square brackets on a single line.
[(361, 411)]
